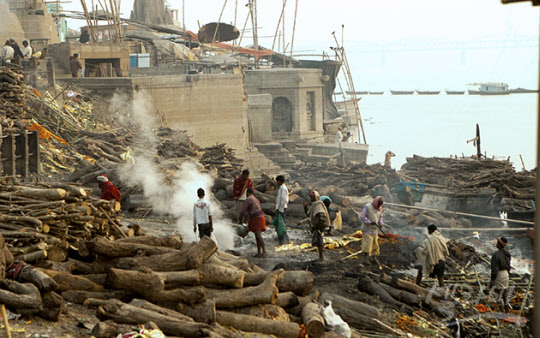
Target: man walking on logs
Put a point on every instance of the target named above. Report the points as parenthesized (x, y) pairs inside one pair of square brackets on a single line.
[(319, 220), (432, 256), (282, 200), (202, 216), (240, 186), (500, 266), (257, 222), (372, 218)]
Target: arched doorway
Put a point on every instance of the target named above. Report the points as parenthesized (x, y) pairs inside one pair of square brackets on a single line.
[(281, 114)]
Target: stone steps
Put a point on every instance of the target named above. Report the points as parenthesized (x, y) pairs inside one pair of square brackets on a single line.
[(279, 155), (258, 163)]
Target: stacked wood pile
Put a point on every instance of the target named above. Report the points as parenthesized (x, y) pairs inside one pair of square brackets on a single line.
[(185, 289), (515, 189), (12, 98), (45, 221)]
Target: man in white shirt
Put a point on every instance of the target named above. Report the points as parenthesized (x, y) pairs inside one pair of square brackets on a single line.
[(282, 201), (339, 134), (27, 50), (202, 217), (7, 53)]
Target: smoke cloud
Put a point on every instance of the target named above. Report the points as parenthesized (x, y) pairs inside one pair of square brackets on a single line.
[(167, 195)]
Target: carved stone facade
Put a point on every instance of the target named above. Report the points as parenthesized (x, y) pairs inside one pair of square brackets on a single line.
[(296, 100)]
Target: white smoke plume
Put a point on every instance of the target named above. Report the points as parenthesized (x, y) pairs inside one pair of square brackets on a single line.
[(177, 197)]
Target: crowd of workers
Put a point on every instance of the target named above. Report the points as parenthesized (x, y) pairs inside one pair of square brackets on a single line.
[(12, 53), (431, 254)]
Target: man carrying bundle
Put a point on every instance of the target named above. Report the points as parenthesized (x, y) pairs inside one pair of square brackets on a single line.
[(432, 256), (257, 222), (319, 220)]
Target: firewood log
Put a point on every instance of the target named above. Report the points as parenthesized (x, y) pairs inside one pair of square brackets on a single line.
[(143, 304), (256, 324), (362, 322), (287, 300), (411, 287), (31, 257), (299, 282), (18, 295), (136, 281), (8, 257), (67, 281), (339, 302), (108, 329), (204, 312), (53, 304), (51, 194), (313, 319), (176, 279), (268, 311), (56, 254), (98, 278), (190, 295), (128, 314), (367, 285), (219, 275), (265, 293), (190, 258), (78, 296), (102, 246), (41, 280)]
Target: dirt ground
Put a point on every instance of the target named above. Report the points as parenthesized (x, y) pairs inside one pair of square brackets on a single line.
[(335, 275)]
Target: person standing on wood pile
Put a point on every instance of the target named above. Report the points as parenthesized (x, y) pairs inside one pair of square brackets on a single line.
[(240, 186), (500, 267), (109, 191), (282, 201), (432, 256), (339, 134), (17, 53), (202, 217), (319, 220), (75, 65), (257, 222), (372, 218), (7, 53), (331, 212)]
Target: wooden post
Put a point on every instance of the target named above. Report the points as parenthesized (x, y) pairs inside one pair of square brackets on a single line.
[(50, 74), (6, 323), (478, 150)]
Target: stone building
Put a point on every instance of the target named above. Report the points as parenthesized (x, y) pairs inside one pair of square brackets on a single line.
[(296, 102)]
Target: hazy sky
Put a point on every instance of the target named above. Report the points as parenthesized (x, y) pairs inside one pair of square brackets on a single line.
[(397, 44)]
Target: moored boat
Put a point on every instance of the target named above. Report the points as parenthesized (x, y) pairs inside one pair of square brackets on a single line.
[(454, 92), (401, 92), (375, 93), (428, 92)]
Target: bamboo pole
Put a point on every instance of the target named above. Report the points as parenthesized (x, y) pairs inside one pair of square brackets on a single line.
[(88, 22), (283, 36), (293, 31), (244, 29), (219, 20), (277, 28)]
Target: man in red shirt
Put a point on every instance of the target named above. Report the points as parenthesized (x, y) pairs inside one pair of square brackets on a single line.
[(108, 191), (241, 184)]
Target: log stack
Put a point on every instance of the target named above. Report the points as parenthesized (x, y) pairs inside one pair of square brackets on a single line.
[(12, 98), (44, 221)]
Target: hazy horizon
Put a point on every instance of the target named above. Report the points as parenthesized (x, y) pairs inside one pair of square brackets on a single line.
[(418, 44)]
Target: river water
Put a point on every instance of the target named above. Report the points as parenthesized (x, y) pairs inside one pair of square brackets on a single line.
[(440, 125)]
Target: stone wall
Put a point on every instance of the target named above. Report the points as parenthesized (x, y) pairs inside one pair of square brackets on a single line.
[(210, 107), (104, 51), (260, 111), (35, 20), (10, 26)]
